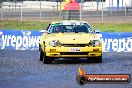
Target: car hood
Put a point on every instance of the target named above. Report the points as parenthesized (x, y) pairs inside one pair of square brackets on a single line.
[(72, 37)]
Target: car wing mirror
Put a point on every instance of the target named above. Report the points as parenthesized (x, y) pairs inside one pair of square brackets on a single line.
[(44, 31), (97, 31)]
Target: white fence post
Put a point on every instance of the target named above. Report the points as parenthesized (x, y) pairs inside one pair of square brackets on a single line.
[(21, 14), (1, 16), (60, 10), (111, 7), (40, 11), (81, 10), (125, 12), (102, 13), (131, 2)]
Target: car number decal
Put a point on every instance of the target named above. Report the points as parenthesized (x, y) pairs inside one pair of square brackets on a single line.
[(74, 49)]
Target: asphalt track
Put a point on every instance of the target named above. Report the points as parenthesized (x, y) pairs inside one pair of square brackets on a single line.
[(21, 69)]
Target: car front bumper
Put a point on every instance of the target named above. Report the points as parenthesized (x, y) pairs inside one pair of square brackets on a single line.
[(73, 51)]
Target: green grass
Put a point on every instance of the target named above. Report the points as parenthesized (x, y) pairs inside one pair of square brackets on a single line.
[(113, 27), (26, 25), (37, 25)]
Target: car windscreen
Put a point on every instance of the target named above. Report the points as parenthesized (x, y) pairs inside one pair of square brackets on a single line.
[(57, 28)]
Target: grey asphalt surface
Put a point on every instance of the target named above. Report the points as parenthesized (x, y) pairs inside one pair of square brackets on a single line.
[(21, 69)]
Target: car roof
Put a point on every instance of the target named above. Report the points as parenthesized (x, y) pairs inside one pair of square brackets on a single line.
[(69, 21)]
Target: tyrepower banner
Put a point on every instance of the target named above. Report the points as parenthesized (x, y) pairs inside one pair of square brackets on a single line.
[(28, 40), (117, 41), (19, 39)]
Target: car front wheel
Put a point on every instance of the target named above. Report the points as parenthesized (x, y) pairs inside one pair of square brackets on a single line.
[(41, 55), (47, 60)]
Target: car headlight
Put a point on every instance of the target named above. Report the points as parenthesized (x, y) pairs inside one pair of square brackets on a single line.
[(94, 42), (54, 43)]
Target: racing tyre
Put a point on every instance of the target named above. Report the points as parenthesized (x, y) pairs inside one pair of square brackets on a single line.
[(95, 59), (99, 60), (47, 60), (41, 55)]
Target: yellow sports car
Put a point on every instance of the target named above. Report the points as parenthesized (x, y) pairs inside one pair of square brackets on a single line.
[(70, 39)]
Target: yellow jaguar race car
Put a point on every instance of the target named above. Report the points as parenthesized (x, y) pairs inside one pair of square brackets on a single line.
[(70, 39)]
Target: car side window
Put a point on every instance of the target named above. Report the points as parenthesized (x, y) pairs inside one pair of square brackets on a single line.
[(88, 27)]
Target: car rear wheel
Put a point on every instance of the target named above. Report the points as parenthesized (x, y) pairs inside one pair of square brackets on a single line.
[(95, 59), (99, 59)]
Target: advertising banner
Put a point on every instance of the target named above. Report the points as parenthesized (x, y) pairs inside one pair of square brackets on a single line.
[(28, 40), (19, 39), (117, 41)]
